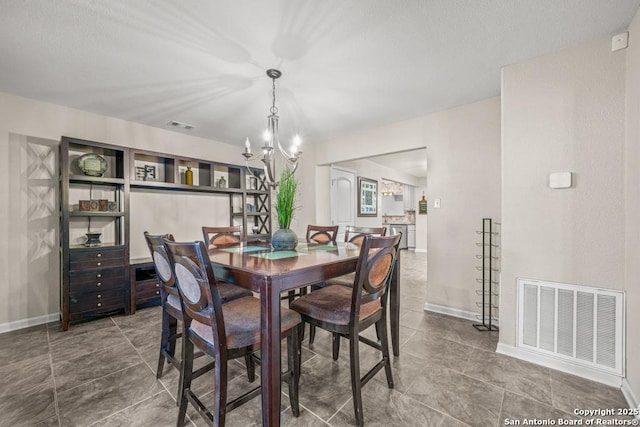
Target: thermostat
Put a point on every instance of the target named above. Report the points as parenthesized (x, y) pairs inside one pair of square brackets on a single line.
[(560, 180)]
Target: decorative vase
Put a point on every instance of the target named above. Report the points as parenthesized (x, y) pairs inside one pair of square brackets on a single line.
[(284, 239), (93, 238), (188, 176)]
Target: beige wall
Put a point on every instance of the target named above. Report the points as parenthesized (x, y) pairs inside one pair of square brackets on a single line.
[(562, 112), (632, 212), (29, 272), (463, 152)]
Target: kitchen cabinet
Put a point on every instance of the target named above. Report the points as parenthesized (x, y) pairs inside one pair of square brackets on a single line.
[(411, 236), (409, 198)]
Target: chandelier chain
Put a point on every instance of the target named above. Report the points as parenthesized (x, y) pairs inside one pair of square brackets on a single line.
[(274, 109)]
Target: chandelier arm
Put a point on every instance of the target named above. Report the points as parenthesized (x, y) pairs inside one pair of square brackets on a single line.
[(288, 156), (251, 157), (270, 173), (246, 162)]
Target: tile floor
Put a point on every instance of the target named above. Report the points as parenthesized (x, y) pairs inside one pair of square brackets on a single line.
[(101, 373)]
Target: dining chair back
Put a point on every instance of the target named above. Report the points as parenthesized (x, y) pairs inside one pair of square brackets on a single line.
[(345, 312), (322, 233), (222, 331), (356, 235), (220, 236)]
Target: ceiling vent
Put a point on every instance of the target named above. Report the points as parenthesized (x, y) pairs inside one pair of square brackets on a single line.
[(181, 125)]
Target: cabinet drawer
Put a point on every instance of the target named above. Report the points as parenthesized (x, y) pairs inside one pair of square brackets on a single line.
[(147, 295), (85, 301), (96, 254), (147, 285), (97, 263), (95, 280)]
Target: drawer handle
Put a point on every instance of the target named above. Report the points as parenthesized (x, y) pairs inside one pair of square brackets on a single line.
[(99, 296), (99, 304), (157, 292), (157, 285), (98, 264), (99, 255), (99, 284), (98, 275)]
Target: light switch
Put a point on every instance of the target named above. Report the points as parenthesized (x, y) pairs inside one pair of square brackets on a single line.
[(436, 203), (560, 180)]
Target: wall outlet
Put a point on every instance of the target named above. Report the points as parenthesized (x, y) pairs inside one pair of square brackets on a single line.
[(436, 203)]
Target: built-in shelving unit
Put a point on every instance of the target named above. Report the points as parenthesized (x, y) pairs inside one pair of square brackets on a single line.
[(93, 274), (97, 279)]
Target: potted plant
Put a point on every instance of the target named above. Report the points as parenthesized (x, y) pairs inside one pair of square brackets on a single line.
[(285, 238)]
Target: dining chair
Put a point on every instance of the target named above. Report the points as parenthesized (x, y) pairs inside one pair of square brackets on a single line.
[(222, 331), (322, 233), (317, 234), (345, 312), (220, 236), (171, 306), (354, 235)]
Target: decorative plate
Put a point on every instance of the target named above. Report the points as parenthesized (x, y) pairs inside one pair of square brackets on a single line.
[(92, 164)]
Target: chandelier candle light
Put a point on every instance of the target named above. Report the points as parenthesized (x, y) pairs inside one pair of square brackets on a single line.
[(271, 141)]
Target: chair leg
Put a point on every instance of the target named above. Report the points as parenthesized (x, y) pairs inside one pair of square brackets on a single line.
[(299, 350), (384, 342), (220, 405), (336, 346), (164, 341), (291, 296), (356, 386), (186, 376), (378, 331), (312, 333), (293, 360), (182, 363), (251, 368)]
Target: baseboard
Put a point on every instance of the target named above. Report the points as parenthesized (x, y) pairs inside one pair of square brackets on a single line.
[(630, 396), (26, 323), (455, 312), (560, 365)]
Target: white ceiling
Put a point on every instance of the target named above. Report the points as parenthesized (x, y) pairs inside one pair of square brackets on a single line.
[(347, 64)]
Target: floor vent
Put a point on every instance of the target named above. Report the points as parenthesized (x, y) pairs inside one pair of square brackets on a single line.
[(580, 324)]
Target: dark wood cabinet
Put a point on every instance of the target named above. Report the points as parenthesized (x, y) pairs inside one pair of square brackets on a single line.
[(144, 283), (95, 275)]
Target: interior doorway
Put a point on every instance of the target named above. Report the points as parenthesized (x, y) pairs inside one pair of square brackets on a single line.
[(343, 199)]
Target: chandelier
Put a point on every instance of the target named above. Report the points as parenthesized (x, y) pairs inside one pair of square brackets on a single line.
[(271, 141)]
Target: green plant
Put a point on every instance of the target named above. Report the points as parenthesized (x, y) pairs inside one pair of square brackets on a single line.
[(285, 199)]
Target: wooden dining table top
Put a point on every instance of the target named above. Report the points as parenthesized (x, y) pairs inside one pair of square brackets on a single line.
[(309, 262)]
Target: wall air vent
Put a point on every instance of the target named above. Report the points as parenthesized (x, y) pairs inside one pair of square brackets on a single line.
[(182, 125), (580, 324)]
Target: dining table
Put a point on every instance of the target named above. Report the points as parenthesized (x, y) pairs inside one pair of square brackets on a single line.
[(260, 268)]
